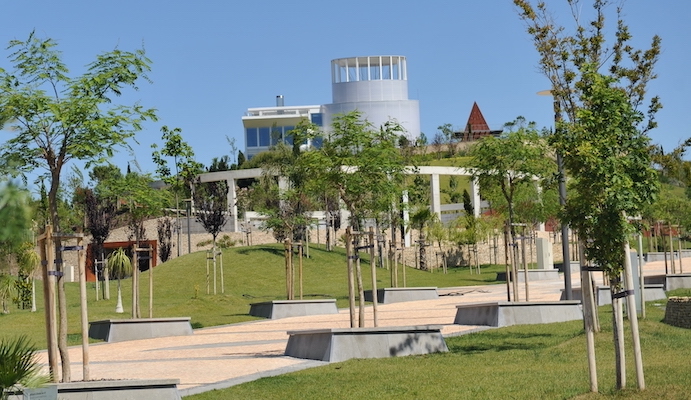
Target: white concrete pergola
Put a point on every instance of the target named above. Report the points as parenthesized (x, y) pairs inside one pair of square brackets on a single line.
[(435, 195)]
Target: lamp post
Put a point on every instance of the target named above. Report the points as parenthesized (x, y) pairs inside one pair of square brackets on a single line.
[(568, 293)]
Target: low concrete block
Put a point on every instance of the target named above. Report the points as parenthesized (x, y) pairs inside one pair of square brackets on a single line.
[(654, 292), (398, 295), (650, 293), (504, 313), (334, 345), (678, 281), (119, 330), (144, 389), (533, 275), (604, 295), (293, 308), (661, 256)]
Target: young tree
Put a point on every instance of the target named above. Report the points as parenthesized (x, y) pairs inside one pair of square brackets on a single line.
[(56, 118), (141, 202), (164, 229), (211, 202), (602, 137), (120, 266), (186, 169), (287, 201), (100, 216), (362, 164), (511, 164)]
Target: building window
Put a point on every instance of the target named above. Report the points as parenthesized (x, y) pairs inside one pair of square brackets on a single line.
[(317, 142), (264, 137), (251, 137), (317, 119)]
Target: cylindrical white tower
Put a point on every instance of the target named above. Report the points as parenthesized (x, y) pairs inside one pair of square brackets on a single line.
[(377, 86)]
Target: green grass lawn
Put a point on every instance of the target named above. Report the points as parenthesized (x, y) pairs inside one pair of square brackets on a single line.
[(252, 274), (520, 362)]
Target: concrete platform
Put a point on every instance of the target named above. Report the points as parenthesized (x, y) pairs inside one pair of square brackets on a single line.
[(119, 330), (293, 308), (504, 313), (533, 275), (397, 295), (334, 345), (677, 281), (650, 293), (140, 389)]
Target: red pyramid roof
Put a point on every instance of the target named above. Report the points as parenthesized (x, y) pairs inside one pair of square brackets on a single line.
[(476, 122)]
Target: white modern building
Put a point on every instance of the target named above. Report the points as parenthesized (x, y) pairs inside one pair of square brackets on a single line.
[(377, 86)]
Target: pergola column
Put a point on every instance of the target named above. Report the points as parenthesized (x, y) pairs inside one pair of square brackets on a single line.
[(435, 204), (475, 197), (232, 203)]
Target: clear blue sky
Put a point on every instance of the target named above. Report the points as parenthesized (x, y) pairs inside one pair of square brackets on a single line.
[(214, 59)]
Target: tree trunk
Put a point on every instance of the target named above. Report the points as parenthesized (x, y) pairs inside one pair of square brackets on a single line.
[(62, 301), (633, 318), (351, 278), (588, 318), (618, 332)]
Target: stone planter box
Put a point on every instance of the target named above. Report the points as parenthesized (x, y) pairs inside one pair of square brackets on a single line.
[(150, 389), (504, 313), (533, 275), (398, 295), (334, 345), (119, 330), (293, 308), (678, 312)]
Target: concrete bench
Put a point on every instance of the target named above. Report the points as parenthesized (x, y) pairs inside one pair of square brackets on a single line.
[(119, 330), (334, 345), (504, 313), (604, 295), (650, 293), (140, 389), (654, 292), (398, 295), (677, 281), (533, 275), (293, 308)]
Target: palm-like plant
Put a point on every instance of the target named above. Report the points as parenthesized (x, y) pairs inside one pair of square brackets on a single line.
[(18, 366), (29, 261), (119, 265), (8, 290)]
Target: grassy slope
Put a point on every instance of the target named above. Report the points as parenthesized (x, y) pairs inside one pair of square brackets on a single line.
[(252, 274), (520, 362)]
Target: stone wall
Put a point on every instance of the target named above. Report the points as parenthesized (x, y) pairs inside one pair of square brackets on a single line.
[(678, 312)]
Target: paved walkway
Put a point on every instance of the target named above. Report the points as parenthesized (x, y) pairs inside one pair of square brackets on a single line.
[(224, 356)]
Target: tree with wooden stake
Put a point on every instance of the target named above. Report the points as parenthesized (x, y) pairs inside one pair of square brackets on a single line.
[(210, 200), (507, 166), (603, 140), (120, 266), (56, 118), (100, 215)]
